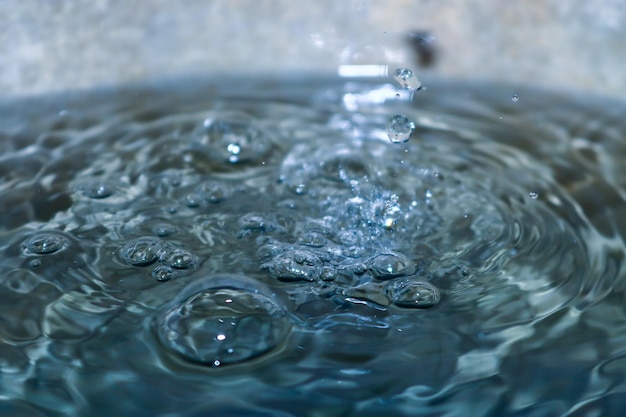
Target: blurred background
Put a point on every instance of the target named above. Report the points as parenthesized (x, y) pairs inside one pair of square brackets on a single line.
[(55, 45)]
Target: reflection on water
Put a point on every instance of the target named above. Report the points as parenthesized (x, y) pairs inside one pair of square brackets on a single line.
[(264, 249)]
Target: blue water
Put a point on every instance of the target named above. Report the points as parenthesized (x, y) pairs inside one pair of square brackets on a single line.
[(262, 248)]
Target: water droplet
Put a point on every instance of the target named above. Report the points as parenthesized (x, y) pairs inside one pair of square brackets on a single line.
[(534, 195), (162, 273), (406, 79), (35, 263), (224, 326), (45, 243), (413, 294), (399, 128), (515, 98), (390, 265), (142, 252), (392, 211), (178, 258)]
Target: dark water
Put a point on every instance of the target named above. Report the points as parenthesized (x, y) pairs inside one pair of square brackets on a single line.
[(263, 249)]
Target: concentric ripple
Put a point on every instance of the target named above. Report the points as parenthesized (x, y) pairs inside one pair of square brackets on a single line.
[(317, 248)]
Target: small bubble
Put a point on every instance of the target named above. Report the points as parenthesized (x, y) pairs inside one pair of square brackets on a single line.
[(294, 266), (312, 239), (390, 265), (300, 189), (163, 229), (44, 243), (534, 195), (399, 128), (515, 98), (142, 252), (162, 273), (413, 294), (35, 263), (179, 259), (328, 273), (406, 79), (254, 222), (97, 190)]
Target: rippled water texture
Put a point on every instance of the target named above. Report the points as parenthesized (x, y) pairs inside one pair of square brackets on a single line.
[(265, 249)]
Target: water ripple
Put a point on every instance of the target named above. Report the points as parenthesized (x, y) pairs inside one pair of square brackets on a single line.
[(265, 250)]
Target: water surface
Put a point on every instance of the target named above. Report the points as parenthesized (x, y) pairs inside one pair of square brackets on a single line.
[(254, 248)]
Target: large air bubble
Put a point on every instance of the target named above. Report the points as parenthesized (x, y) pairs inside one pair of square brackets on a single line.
[(228, 322)]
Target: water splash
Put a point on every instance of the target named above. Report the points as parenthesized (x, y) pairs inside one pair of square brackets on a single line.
[(362, 275)]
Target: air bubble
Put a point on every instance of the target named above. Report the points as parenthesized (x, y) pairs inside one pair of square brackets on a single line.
[(193, 200), (162, 273), (399, 128), (534, 195), (390, 265), (213, 192), (407, 293), (253, 222), (224, 326), (312, 239), (407, 80), (515, 98), (45, 243), (142, 252), (96, 190), (163, 229), (178, 258), (294, 265)]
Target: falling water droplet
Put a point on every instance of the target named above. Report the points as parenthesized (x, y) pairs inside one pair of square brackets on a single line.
[(406, 79), (515, 98), (399, 128), (534, 195)]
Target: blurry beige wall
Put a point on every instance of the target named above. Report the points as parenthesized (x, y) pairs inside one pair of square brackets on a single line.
[(52, 45)]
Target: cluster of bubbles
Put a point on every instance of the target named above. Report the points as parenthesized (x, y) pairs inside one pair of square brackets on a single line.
[(145, 251)]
